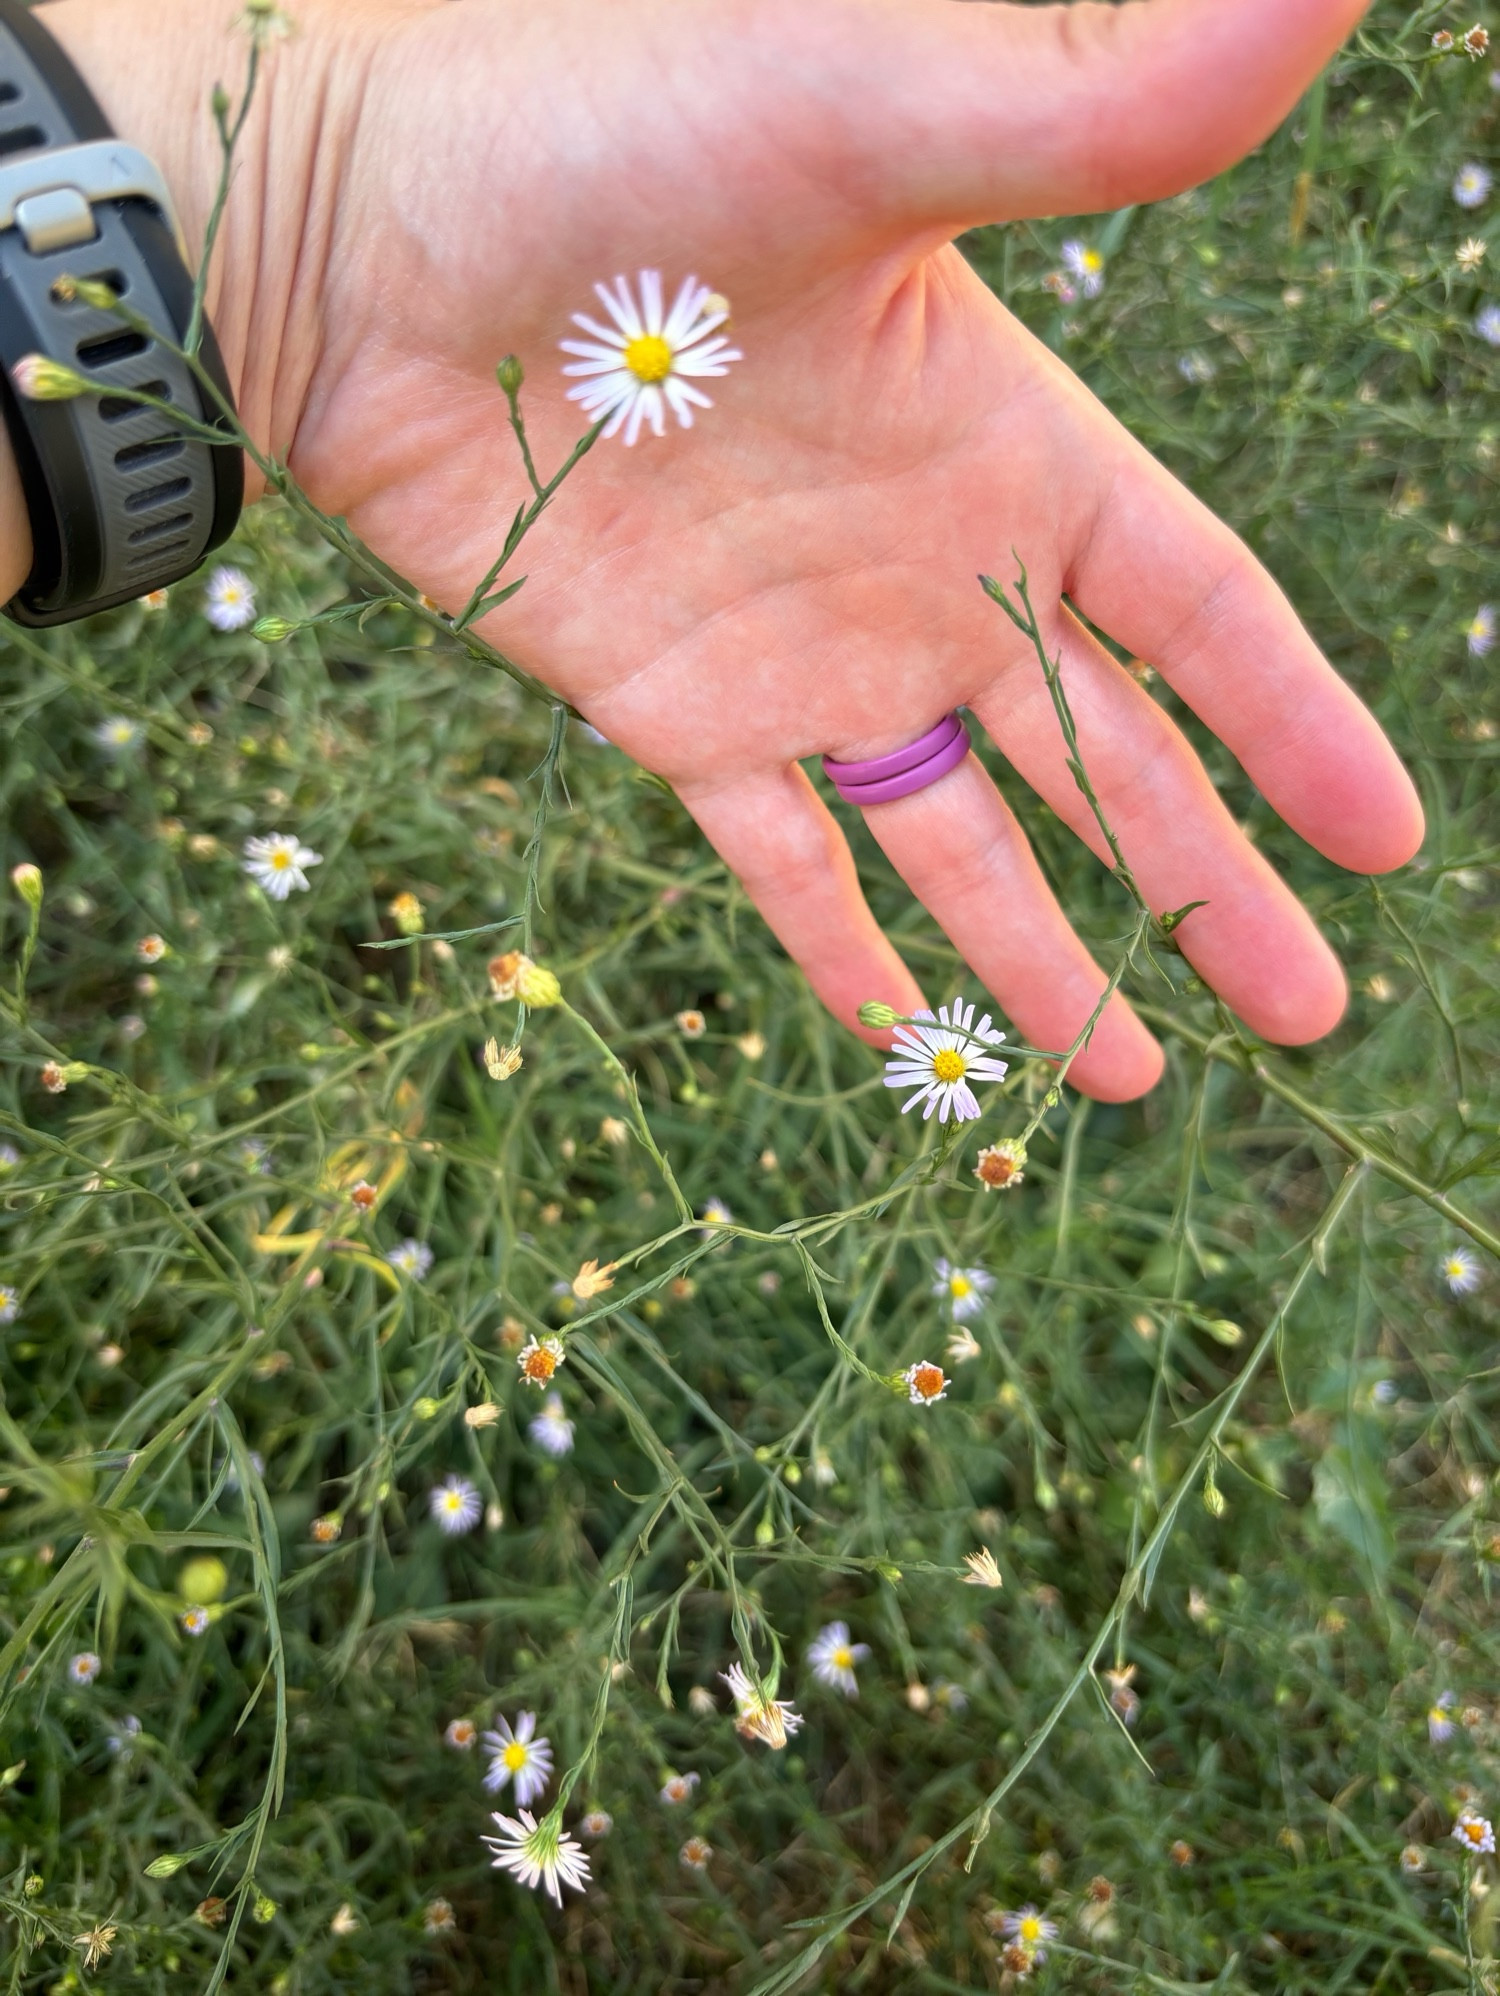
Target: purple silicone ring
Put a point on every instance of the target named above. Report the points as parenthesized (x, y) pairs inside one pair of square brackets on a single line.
[(910, 780), (899, 760)]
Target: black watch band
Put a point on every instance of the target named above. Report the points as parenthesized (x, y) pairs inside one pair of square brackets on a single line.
[(120, 501)]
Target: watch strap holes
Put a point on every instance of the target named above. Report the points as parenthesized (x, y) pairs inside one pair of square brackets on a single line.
[(25, 138), (106, 348), (9, 92), (115, 408), (158, 495), (156, 450), (159, 530)]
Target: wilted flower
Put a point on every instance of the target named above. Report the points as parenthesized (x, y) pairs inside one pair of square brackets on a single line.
[(677, 1789), (983, 1572), (1411, 1858), (413, 1258), (519, 1757), (438, 1918), (701, 1702), (552, 1430), (407, 912), (229, 600), (54, 1078), (939, 1060), (84, 1667), (344, 1922), (456, 1505), (756, 1716), (278, 863), (483, 1414), (925, 1383), (695, 1854), (1002, 1165), (150, 949), (538, 1854), (592, 1280), (963, 1346), (1124, 1701), (1471, 253), (833, 1658), (1182, 1854), (637, 366), (461, 1733), (500, 1063), (692, 1025), (614, 1132), (597, 1823), (325, 1531), (1476, 43), (95, 1944)]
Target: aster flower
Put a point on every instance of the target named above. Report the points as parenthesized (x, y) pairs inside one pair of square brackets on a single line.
[(717, 1214), (965, 1288), (84, 1667), (1411, 1858), (756, 1716), (833, 1658), (539, 1853), (229, 600), (519, 1757), (456, 1506), (460, 1734), (1471, 185), (539, 1360), (10, 1303), (1474, 1832), (552, 1430), (1487, 324), (940, 1059), (1085, 266), (151, 949), (597, 1823), (695, 1854), (925, 1383), (677, 1789), (1000, 1166), (1440, 1726), (1480, 632), (194, 1621), (642, 362), (278, 863), (1031, 1930), (1460, 1270), (413, 1258), (438, 1918), (691, 1024), (117, 736)]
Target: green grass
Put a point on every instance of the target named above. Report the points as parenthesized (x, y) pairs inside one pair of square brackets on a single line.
[(1293, 1600)]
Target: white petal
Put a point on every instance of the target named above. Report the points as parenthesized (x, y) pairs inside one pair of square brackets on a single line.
[(677, 396), (609, 336), (651, 301), (685, 309), (621, 308)]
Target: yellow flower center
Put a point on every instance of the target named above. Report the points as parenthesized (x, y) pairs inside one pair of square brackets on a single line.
[(948, 1065), (1092, 260), (843, 1659), (515, 1756), (649, 358), (959, 1285), (1031, 1931), (281, 859)]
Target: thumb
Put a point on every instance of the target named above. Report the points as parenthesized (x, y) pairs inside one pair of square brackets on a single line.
[(1006, 111)]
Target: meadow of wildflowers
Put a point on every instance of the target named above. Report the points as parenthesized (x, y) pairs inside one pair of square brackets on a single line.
[(523, 1469)]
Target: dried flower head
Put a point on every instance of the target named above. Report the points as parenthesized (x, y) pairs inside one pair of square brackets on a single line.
[(592, 1280), (539, 1360), (461, 1734), (692, 1025), (500, 1063), (983, 1572), (1001, 1166), (925, 1383), (695, 1854)]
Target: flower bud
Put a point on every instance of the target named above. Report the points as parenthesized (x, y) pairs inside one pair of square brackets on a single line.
[(167, 1866), (426, 1408), (510, 374), (27, 881), (537, 987), (876, 1016), (203, 1581), (273, 630), (42, 380)]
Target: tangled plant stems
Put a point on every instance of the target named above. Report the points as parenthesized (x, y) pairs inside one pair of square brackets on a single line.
[(458, 1292)]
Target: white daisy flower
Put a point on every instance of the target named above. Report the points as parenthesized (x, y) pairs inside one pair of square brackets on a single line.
[(552, 1430), (597, 1823), (695, 1854), (539, 1359), (538, 1854), (1440, 1724), (1031, 1930), (456, 1506), (277, 862), (1086, 265), (925, 1383), (833, 1658), (10, 1303), (1480, 633), (1460, 1270), (194, 1621), (717, 1214), (1471, 185), (756, 1716), (229, 600), (941, 1059), (413, 1258), (638, 365), (677, 1789), (1487, 324), (83, 1668), (117, 736), (965, 1288), (519, 1757), (1474, 1832)]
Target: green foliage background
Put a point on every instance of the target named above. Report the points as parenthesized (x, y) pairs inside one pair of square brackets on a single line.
[(1344, 420)]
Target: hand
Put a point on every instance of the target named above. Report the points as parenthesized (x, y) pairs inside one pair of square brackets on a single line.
[(428, 186)]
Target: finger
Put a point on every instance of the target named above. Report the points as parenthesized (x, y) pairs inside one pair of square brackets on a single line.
[(777, 835), (1253, 942), (961, 852), (997, 111), (1175, 585)]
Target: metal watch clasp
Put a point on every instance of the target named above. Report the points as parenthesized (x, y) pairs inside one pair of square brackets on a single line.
[(49, 195)]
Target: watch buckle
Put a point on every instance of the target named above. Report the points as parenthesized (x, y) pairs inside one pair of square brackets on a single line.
[(50, 195)]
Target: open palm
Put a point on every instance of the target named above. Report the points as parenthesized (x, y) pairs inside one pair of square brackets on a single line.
[(797, 574)]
